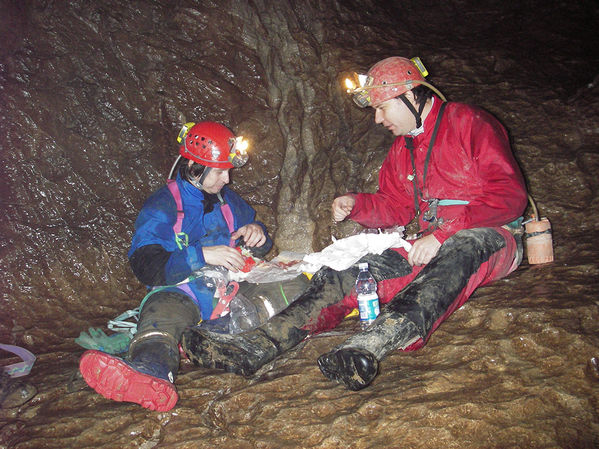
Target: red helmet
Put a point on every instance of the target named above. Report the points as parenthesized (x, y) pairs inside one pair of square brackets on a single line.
[(210, 144), (388, 79)]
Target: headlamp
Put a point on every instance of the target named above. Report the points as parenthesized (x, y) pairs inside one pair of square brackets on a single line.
[(238, 155), (357, 85), (420, 66), (184, 130)]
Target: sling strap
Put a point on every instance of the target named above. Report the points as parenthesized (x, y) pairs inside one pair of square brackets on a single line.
[(181, 238), (410, 145), (228, 216)]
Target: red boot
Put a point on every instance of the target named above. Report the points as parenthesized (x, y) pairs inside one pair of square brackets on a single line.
[(121, 380)]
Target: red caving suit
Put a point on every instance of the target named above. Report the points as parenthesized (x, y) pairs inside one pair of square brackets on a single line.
[(471, 161)]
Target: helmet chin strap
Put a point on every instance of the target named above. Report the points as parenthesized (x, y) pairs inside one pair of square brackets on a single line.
[(417, 113), (198, 182)]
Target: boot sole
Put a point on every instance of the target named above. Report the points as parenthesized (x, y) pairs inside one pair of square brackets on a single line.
[(114, 379)]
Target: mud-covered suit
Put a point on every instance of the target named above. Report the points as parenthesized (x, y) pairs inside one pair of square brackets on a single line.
[(471, 161), (470, 164)]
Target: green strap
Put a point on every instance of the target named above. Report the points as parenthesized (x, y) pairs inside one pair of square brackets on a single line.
[(157, 289), (182, 240), (283, 294)]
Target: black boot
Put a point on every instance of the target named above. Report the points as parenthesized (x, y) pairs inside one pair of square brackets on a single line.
[(155, 353), (243, 353), (355, 362), (411, 314), (247, 352), (146, 376)]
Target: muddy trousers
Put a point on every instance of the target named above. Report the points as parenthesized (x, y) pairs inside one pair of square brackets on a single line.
[(146, 375), (419, 299), (247, 352), (420, 302)]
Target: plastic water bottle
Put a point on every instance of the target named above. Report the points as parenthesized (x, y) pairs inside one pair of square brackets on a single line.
[(368, 300)]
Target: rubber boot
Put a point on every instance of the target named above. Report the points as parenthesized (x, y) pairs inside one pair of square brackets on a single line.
[(412, 313), (247, 352), (144, 377), (355, 363)]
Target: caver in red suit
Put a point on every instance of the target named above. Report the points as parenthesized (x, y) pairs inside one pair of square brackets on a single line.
[(450, 165)]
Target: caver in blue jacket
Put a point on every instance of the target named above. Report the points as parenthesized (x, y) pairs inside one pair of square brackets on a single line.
[(155, 257), (181, 225)]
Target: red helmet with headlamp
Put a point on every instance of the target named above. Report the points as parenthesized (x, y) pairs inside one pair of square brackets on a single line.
[(387, 79), (212, 145)]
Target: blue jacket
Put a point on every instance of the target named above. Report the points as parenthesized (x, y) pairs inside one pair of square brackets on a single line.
[(154, 226)]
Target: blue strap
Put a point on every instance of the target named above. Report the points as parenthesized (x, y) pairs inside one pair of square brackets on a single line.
[(453, 202)]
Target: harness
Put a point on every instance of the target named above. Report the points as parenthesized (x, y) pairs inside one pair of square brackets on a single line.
[(431, 214), (181, 238)]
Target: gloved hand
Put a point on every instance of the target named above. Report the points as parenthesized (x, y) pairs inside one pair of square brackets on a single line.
[(97, 339)]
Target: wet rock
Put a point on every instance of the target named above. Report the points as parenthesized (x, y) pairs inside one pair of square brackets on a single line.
[(14, 392), (592, 368)]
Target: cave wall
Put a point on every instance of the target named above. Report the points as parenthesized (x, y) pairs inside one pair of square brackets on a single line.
[(93, 97), (93, 94)]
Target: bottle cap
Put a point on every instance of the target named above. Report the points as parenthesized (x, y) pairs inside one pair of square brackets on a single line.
[(363, 266)]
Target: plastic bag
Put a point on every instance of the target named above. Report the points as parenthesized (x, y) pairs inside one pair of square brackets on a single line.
[(255, 304)]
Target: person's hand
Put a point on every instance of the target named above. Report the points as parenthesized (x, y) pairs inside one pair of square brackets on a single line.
[(423, 250), (342, 207), (253, 235), (224, 256)]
